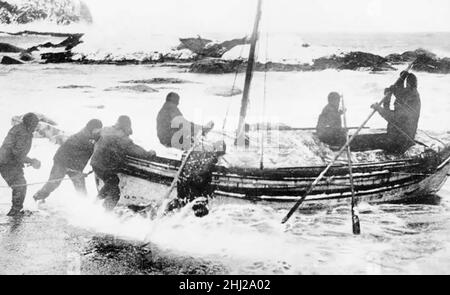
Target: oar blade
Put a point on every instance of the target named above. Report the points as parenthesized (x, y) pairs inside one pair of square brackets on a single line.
[(356, 225)]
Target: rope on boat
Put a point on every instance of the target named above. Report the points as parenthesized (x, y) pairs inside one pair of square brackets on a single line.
[(45, 182)]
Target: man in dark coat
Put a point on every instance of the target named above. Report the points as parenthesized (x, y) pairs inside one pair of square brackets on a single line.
[(173, 129), (402, 121), (329, 126), (110, 153), (71, 159), (13, 157)]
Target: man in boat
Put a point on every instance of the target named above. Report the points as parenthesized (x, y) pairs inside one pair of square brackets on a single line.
[(173, 129), (402, 121), (13, 157), (71, 159), (110, 153), (329, 126)]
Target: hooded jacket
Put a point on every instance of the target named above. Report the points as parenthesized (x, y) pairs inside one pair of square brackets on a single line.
[(405, 115)]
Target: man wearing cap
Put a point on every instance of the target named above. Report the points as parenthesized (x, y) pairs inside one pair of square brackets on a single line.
[(71, 159), (14, 155), (173, 129), (110, 153)]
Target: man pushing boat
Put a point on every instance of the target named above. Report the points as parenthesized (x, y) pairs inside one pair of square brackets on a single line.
[(110, 153), (71, 159)]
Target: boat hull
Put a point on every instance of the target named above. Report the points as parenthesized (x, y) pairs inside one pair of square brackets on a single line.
[(407, 180)]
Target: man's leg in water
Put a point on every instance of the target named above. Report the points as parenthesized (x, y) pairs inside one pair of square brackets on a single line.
[(56, 175), (15, 179), (110, 191), (79, 182)]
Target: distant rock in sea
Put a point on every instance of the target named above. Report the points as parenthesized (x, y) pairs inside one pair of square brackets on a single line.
[(75, 87), (6, 60), (208, 48), (157, 81)]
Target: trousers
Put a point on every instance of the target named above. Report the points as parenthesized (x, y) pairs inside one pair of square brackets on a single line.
[(14, 177)]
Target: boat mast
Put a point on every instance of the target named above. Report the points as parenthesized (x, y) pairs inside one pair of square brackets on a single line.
[(240, 134)]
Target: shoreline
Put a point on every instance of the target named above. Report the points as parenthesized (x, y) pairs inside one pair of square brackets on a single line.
[(205, 56)]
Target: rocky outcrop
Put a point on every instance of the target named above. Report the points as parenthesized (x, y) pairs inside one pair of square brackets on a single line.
[(425, 63), (57, 57), (8, 48), (25, 56), (68, 44), (409, 56), (349, 61), (62, 12), (157, 81), (215, 66), (134, 88), (353, 61), (6, 60), (208, 48)]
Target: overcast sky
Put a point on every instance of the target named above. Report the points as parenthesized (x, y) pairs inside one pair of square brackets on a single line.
[(279, 15)]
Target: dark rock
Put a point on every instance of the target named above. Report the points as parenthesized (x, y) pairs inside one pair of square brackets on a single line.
[(409, 56), (349, 61), (353, 61), (68, 44), (75, 87), (282, 67), (207, 48), (6, 60), (425, 63), (218, 49), (25, 56), (194, 44), (58, 57), (215, 66), (71, 41), (356, 60), (8, 48)]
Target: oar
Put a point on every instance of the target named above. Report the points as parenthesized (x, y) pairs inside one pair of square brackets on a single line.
[(356, 226), (341, 151)]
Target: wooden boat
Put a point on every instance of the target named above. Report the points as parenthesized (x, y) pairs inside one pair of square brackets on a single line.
[(377, 182), (399, 180)]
